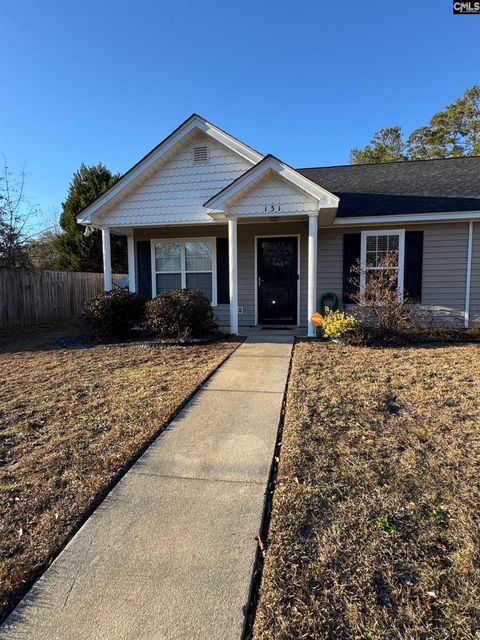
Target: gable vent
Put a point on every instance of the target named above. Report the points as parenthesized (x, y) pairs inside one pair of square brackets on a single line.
[(200, 154)]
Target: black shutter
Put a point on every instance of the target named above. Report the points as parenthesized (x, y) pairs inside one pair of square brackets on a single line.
[(144, 268), (223, 293), (351, 254), (412, 276)]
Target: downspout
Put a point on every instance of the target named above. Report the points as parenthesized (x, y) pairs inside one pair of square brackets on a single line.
[(468, 283)]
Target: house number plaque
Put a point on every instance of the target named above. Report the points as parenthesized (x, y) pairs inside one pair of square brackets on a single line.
[(272, 208)]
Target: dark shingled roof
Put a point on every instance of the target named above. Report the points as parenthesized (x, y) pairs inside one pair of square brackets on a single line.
[(419, 186)]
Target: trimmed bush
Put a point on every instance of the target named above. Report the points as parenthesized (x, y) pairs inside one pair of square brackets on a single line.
[(110, 316), (180, 315), (339, 325)]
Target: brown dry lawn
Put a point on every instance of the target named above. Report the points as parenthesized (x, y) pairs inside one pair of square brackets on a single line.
[(70, 422), (375, 530)]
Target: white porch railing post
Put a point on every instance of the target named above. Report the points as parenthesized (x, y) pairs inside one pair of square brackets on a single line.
[(132, 285), (312, 270), (107, 260), (232, 272)]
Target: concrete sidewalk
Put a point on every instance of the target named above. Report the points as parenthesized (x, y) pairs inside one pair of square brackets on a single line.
[(169, 553)]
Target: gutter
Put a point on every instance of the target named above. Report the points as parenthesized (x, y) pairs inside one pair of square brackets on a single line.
[(412, 218)]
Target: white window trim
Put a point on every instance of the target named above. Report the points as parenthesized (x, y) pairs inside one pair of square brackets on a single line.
[(183, 271), (401, 255)]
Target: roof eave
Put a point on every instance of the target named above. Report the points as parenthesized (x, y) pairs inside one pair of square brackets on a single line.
[(412, 218)]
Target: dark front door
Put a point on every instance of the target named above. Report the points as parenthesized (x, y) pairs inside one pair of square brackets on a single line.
[(277, 280)]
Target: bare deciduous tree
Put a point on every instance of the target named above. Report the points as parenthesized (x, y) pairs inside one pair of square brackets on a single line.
[(380, 302), (15, 213)]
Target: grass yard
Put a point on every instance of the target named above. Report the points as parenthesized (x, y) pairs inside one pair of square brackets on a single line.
[(375, 529), (70, 421)]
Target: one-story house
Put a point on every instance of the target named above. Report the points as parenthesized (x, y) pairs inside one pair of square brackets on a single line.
[(263, 241)]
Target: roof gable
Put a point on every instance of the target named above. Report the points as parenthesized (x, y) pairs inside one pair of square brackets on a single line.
[(272, 195), (160, 155), (175, 192), (271, 166)]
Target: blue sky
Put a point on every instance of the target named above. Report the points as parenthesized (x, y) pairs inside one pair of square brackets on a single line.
[(306, 80)]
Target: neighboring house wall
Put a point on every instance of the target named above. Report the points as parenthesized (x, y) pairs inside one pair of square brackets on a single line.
[(176, 192)]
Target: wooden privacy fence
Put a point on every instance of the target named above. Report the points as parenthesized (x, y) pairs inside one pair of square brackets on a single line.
[(40, 297)]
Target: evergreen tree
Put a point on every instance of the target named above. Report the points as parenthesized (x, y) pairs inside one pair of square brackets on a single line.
[(386, 145), (75, 250), (451, 133)]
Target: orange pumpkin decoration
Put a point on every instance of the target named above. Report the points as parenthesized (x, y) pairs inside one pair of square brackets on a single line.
[(316, 319)]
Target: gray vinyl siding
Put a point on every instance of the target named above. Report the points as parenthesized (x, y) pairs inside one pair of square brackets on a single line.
[(246, 275), (330, 263), (475, 284), (222, 315), (445, 271), (246, 264), (443, 277), (246, 234)]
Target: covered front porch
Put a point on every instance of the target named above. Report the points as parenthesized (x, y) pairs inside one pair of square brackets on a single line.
[(262, 273)]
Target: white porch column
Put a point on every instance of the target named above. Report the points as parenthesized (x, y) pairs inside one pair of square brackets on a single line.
[(132, 285), (232, 272), (107, 260), (312, 270)]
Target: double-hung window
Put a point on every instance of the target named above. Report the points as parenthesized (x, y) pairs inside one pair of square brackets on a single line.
[(376, 245), (184, 264)]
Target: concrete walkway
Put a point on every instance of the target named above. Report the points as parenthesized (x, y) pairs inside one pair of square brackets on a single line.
[(169, 553)]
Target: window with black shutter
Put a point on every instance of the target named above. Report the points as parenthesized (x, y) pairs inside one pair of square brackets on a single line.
[(413, 266), (351, 254), (144, 268)]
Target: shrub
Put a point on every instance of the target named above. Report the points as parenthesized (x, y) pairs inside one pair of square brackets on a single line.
[(180, 315), (380, 304), (112, 315), (338, 324)]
